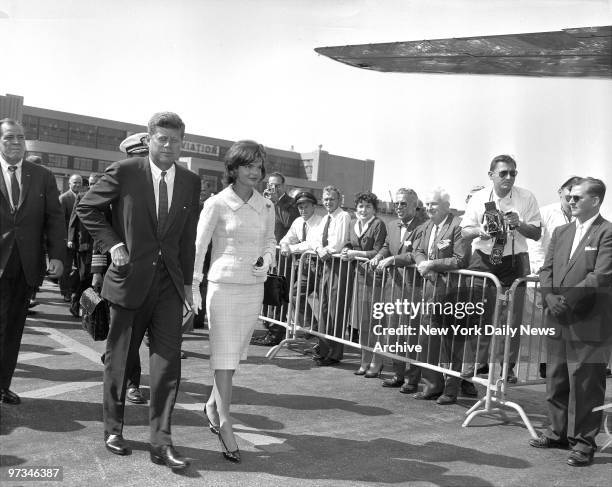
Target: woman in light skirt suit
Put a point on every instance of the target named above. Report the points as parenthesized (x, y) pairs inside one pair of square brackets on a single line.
[(240, 223)]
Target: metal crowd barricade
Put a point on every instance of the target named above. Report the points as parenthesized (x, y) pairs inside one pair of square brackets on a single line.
[(349, 317)]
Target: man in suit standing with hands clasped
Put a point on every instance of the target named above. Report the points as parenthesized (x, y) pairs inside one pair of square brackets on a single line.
[(30, 214), (576, 281), (152, 244)]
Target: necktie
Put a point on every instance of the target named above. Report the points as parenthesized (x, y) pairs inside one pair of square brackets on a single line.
[(15, 190), (577, 239), (432, 242), (324, 240), (304, 232), (360, 225), (162, 214)]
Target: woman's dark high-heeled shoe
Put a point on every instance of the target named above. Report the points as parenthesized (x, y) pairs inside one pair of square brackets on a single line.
[(214, 429), (232, 456), (360, 371), (370, 374)]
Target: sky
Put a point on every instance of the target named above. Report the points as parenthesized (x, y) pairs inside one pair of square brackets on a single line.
[(236, 69)]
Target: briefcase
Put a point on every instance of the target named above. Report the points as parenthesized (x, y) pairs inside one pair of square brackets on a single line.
[(95, 314), (276, 290)]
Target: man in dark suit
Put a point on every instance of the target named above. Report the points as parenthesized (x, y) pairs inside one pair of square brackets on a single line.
[(67, 201), (441, 249), (576, 281), (30, 215), (151, 240), (403, 236)]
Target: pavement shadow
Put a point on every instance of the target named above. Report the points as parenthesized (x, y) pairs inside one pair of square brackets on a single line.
[(377, 461), (28, 347), (29, 371)]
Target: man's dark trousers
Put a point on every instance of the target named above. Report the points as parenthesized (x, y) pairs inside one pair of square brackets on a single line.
[(14, 299), (161, 311)]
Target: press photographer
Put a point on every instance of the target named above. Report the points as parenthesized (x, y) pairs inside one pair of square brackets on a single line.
[(499, 219)]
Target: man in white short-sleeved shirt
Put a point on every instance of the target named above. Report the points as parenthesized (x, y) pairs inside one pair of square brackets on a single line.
[(507, 260)]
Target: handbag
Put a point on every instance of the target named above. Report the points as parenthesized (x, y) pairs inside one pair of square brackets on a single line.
[(96, 314), (276, 290)]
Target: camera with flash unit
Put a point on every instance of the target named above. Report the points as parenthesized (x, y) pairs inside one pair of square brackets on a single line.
[(270, 191)]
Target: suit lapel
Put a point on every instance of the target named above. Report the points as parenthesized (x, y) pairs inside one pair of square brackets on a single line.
[(4, 190), (26, 179), (149, 192), (582, 244)]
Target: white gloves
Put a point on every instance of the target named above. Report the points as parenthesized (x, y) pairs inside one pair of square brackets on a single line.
[(197, 296), (262, 270)]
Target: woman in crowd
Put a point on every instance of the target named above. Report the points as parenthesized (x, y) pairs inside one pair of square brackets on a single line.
[(366, 239), (240, 223)]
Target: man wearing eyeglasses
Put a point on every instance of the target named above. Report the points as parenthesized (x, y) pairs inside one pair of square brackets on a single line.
[(504, 254), (403, 236), (577, 289)]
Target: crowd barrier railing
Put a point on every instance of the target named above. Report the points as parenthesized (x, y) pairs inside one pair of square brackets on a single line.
[(350, 303)]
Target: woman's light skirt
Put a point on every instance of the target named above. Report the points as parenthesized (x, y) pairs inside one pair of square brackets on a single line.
[(233, 311)]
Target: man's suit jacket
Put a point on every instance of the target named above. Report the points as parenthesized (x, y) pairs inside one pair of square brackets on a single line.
[(585, 280), (393, 245), (450, 252), (38, 220), (286, 213), (127, 186), (67, 201)]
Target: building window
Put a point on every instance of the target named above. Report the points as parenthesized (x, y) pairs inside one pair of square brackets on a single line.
[(83, 163), (56, 160), (110, 139), (82, 135), (102, 165), (30, 125), (51, 130)]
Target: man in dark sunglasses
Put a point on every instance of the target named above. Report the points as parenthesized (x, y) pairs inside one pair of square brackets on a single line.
[(503, 253), (576, 281)]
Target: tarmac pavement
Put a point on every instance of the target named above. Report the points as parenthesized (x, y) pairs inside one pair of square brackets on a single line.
[(296, 424)]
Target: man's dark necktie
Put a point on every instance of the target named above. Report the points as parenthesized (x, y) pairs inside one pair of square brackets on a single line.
[(162, 214), (304, 232), (324, 240), (15, 190)]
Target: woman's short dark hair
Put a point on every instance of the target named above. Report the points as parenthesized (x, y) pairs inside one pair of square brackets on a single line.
[(243, 153), (367, 197)]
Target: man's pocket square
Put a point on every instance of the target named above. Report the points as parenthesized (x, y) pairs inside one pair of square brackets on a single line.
[(586, 249)]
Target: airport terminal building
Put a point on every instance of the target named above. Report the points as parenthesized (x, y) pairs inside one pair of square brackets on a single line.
[(69, 143)]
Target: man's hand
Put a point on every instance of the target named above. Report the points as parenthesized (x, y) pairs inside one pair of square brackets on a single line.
[(556, 304), (424, 267), (386, 262), (285, 250), (55, 268), (483, 234), (348, 254), (323, 253), (512, 219), (97, 280), (188, 295), (70, 244), (119, 256), (373, 262)]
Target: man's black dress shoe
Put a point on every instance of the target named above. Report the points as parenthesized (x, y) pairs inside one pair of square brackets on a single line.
[(427, 396), (546, 442), (168, 456), (408, 388), (9, 397), (512, 378), (445, 399), (468, 389), (116, 444), (579, 458), (134, 396), (326, 362), (394, 381)]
